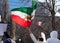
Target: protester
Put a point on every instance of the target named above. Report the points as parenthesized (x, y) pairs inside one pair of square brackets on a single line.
[(39, 40), (53, 37), (8, 38)]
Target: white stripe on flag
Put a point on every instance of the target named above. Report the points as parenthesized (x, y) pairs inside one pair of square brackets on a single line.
[(20, 14)]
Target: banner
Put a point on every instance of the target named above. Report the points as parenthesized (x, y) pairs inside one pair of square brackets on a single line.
[(3, 28)]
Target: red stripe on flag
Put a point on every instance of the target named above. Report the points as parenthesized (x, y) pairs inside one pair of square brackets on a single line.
[(21, 21)]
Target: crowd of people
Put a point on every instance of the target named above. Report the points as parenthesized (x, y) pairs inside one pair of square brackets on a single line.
[(53, 38)]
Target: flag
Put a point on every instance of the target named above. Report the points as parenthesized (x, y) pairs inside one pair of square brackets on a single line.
[(24, 16)]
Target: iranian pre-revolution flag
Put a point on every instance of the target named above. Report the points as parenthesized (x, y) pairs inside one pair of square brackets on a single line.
[(24, 16)]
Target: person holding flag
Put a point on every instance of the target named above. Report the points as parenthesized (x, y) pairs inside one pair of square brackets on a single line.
[(39, 40)]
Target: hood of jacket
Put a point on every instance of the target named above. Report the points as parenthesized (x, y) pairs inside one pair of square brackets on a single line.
[(54, 34)]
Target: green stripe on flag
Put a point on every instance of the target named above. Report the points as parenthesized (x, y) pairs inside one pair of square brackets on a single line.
[(24, 10), (27, 10), (34, 4)]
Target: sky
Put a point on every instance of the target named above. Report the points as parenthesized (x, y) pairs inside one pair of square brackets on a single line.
[(23, 3), (41, 0), (19, 3)]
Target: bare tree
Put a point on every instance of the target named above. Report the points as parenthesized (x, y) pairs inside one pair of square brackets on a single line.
[(51, 7), (52, 11)]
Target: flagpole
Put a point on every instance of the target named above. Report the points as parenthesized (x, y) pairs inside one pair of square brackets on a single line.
[(13, 31)]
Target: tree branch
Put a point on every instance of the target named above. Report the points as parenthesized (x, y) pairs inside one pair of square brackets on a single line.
[(48, 5)]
